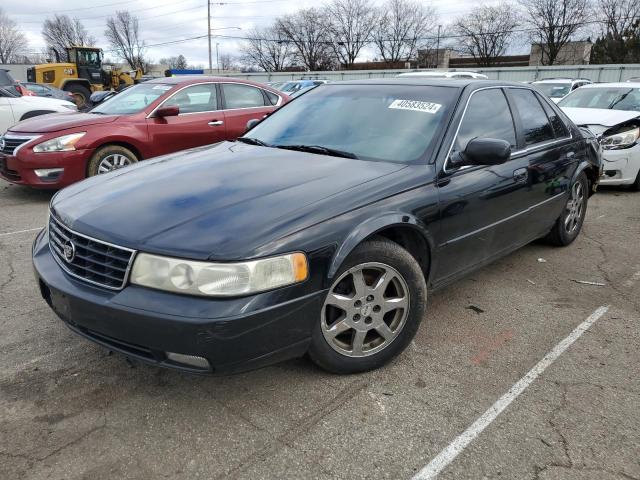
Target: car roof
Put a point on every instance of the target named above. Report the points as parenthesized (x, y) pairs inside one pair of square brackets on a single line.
[(183, 80), (432, 82), (561, 80), (613, 84)]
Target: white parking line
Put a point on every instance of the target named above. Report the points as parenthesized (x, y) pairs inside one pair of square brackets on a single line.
[(446, 456), (20, 231)]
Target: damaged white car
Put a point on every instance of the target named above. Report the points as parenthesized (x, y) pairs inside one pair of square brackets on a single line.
[(612, 112)]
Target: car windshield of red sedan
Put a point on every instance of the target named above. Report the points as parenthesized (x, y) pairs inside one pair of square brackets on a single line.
[(132, 100), (394, 123)]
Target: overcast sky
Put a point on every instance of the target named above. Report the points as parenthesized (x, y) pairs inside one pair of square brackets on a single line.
[(170, 20)]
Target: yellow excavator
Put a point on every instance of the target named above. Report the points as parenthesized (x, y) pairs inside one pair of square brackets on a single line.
[(83, 74)]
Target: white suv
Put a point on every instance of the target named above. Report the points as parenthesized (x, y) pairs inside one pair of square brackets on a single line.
[(558, 88), (14, 108)]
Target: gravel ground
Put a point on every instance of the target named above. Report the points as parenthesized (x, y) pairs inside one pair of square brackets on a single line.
[(69, 410)]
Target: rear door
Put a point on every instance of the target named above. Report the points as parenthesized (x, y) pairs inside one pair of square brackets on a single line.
[(201, 120), (551, 155), (242, 103), (480, 206)]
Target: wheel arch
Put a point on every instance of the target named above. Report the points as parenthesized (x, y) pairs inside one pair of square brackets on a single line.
[(402, 228), (111, 143), (591, 171), (35, 113)]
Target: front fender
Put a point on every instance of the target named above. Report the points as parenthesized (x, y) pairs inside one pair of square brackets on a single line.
[(370, 227)]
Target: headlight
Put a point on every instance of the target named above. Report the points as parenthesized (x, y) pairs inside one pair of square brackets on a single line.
[(624, 139), (65, 143), (218, 279)]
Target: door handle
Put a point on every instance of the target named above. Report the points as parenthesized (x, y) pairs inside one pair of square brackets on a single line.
[(215, 123), (520, 175)]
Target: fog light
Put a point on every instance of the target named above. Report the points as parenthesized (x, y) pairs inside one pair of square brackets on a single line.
[(48, 174), (192, 360)]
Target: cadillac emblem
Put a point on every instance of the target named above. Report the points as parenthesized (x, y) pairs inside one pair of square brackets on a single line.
[(69, 252)]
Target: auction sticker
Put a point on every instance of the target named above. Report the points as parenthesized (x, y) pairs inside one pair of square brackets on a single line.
[(416, 105)]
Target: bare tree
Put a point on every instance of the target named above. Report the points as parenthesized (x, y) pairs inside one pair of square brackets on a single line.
[(401, 28), (178, 63), (123, 34), (62, 32), (620, 28), (12, 40), (554, 23), (308, 31), (227, 62), (485, 32), (267, 49), (351, 24)]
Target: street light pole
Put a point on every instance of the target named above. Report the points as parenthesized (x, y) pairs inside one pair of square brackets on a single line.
[(217, 58), (438, 47), (209, 32)]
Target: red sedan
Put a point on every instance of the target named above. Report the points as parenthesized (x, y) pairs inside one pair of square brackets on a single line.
[(153, 118)]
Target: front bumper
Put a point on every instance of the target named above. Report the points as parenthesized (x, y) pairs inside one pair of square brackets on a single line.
[(620, 167), (20, 168), (233, 334)]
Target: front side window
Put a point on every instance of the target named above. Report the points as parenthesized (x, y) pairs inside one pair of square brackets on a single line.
[(133, 99), (195, 99), (392, 123), (237, 95), (487, 116), (535, 124)]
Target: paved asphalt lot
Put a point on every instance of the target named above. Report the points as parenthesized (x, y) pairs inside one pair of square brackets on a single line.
[(70, 410)]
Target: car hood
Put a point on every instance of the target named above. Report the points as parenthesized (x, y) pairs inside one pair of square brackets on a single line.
[(55, 122), (221, 202), (599, 117)]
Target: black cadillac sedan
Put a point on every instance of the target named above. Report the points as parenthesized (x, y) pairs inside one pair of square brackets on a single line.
[(321, 231)]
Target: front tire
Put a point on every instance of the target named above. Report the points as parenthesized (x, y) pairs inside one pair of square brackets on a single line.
[(80, 94), (372, 311), (109, 158), (569, 223), (635, 186)]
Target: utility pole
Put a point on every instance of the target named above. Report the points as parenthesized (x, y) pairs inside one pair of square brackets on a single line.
[(217, 58), (438, 47), (209, 32)]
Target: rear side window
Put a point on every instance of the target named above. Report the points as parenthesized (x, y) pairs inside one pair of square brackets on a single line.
[(535, 124), (237, 95), (272, 97), (559, 128), (487, 116)]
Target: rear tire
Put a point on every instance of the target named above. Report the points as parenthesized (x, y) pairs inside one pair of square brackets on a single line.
[(108, 158), (81, 95), (569, 223), (363, 327)]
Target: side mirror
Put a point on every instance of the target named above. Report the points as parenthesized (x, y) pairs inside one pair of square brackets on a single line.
[(252, 123), (168, 111), (483, 151)]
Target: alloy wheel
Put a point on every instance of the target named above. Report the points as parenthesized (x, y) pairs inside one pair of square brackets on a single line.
[(574, 208), (113, 162), (365, 310)]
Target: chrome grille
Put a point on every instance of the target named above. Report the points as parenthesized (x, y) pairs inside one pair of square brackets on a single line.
[(94, 261), (9, 143)]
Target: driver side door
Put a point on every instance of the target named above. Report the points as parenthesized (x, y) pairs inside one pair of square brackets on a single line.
[(481, 206)]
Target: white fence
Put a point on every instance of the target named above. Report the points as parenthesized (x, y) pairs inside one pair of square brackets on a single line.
[(596, 73)]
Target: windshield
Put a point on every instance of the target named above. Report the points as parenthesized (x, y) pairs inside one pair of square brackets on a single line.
[(554, 90), (132, 100), (395, 123), (615, 98)]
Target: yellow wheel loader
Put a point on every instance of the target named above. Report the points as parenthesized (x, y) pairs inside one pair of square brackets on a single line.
[(82, 74)]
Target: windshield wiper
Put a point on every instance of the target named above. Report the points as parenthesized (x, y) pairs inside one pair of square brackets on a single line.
[(618, 100), (253, 141), (319, 149)]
